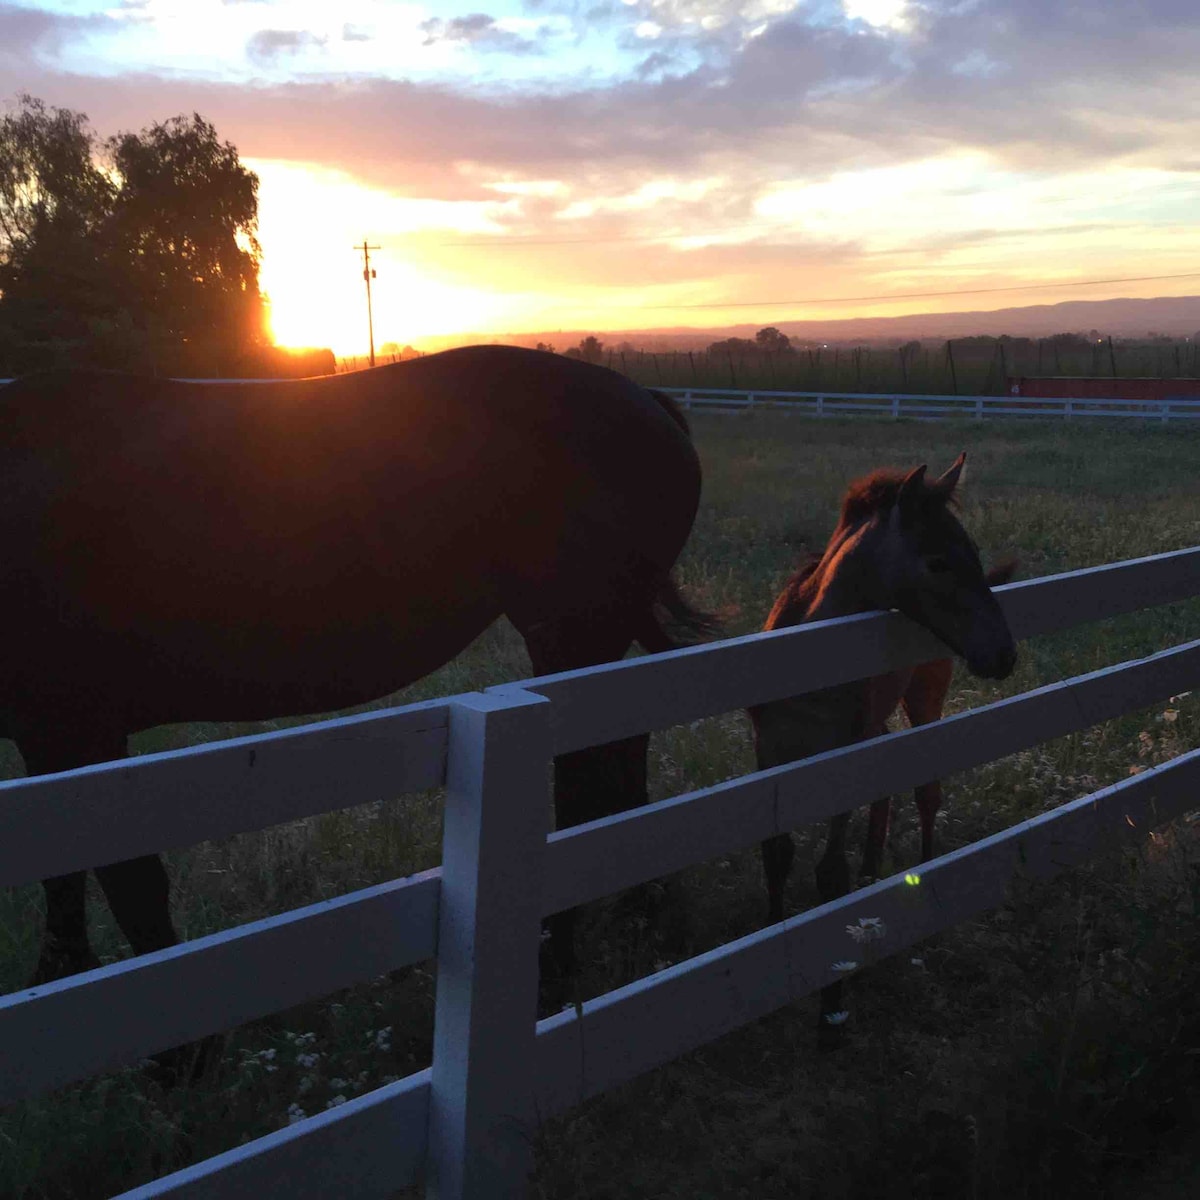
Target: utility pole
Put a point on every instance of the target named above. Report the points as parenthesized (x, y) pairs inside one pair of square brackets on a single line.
[(368, 275)]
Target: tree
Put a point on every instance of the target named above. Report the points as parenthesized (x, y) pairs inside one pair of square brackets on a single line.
[(590, 349), (731, 346), (771, 341), (54, 202), (184, 228), (150, 263)]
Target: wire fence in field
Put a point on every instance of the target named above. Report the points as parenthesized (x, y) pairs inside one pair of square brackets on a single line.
[(976, 366), (963, 367)]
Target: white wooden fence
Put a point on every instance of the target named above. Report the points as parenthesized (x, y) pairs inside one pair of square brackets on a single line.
[(896, 404), (933, 408), (463, 1123)]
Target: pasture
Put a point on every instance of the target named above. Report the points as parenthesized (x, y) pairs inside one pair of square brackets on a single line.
[(1042, 1050)]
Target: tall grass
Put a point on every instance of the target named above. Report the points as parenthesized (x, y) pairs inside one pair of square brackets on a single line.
[(1049, 1049)]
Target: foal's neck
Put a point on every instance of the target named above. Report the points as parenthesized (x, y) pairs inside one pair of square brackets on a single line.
[(848, 579)]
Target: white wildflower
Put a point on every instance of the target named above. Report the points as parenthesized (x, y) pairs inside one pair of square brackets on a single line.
[(338, 1099), (295, 1113), (848, 965), (868, 929), (307, 1061), (837, 1018)]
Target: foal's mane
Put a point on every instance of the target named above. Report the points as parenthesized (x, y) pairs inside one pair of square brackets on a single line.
[(872, 494), (877, 492)]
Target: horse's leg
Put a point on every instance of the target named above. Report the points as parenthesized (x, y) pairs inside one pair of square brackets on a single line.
[(778, 854), (596, 781), (833, 880), (137, 892), (65, 947)]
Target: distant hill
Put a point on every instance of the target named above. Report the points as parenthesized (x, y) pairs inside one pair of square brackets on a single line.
[(1176, 316)]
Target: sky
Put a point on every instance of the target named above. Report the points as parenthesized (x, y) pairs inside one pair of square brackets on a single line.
[(536, 165)]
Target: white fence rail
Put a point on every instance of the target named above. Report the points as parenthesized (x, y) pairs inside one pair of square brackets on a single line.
[(933, 408), (463, 1123)]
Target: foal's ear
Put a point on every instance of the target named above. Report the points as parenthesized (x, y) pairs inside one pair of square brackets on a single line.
[(945, 484), (912, 486)]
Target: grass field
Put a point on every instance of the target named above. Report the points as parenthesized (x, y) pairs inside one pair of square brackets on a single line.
[(1050, 1049)]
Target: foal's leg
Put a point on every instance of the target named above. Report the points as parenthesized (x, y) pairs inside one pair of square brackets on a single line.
[(924, 702), (833, 881), (881, 695), (877, 831), (778, 854)]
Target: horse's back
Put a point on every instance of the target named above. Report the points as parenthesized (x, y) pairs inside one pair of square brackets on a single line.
[(378, 520)]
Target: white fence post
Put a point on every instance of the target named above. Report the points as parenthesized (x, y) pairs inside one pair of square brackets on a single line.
[(820, 406), (895, 406), (481, 1113), (979, 408)]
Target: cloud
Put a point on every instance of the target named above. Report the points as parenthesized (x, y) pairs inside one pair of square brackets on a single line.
[(268, 44), (809, 96), (479, 31), (353, 33), (24, 31)]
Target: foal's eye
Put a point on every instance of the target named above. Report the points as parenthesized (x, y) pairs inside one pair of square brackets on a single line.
[(937, 563)]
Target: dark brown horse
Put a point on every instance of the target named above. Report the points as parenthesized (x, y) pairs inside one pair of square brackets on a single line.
[(897, 545), (183, 551)]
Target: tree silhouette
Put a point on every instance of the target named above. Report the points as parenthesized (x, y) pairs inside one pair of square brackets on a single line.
[(771, 341), (54, 202), (183, 231), (590, 349), (152, 264)]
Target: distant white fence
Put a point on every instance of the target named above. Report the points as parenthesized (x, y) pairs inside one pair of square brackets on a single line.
[(932, 408), (896, 405), (463, 1124)]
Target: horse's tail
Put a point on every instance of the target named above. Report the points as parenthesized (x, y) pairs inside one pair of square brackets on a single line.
[(672, 409), (671, 622)]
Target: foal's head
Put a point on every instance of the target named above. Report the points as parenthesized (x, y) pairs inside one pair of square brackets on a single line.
[(928, 567)]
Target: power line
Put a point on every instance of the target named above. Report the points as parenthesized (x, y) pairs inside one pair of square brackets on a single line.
[(501, 242), (1020, 287)]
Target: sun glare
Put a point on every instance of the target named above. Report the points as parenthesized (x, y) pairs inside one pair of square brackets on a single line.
[(311, 220)]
